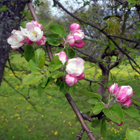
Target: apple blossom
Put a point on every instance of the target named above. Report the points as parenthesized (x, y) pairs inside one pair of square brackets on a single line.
[(75, 39), (74, 26), (32, 31), (62, 56), (124, 93), (16, 40), (113, 89), (75, 66), (37, 24), (70, 80)]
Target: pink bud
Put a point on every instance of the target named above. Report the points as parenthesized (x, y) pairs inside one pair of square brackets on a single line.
[(80, 44), (62, 56), (74, 26), (42, 41), (120, 124), (113, 89), (80, 77), (28, 41), (124, 93), (71, 40), (70, 80), (127, 103)]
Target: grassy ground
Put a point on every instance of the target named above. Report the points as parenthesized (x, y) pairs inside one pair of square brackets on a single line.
[(50, 117)]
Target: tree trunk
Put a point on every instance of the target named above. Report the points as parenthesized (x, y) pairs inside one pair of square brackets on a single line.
[(103, 83), (9, 20)]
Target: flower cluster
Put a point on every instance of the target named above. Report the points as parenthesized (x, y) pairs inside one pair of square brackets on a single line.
[(32, 33), (74, 68), (76, 36), (122, 94)]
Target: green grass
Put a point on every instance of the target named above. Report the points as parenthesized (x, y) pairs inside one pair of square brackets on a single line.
[(53, 118)]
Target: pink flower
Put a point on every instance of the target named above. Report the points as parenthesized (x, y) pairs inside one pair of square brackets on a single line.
[(124, 93), (81, 76), (113, 89), (75, 39), (28, 41), (42, 41), (74, 26), (16, 40), (33, 31), (37, 24), (127, 103), (70, 80), (62, 56), (75, 66)]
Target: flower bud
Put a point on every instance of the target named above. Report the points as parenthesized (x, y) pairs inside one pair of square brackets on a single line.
[(74, 26), (127, 103), (80, 77), (62, 56), (113, 89), (70, 80), (42, 41), (28, 41), (120, 124), (124, 93)]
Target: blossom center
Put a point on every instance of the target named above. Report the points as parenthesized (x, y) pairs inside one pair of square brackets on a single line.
[(34, 33)]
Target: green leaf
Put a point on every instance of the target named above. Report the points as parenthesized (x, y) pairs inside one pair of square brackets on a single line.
[(71, 53), (112, 47), (91, 94), (98, 108), (39, 89), (40, 58), (53, 39), (64, 88), (114, 113), (57, 74), (32, 66), (95, 123), (58, 29), (92, 101), (45, 25), (44, 82), (23, 24), (55, 64), (32, 78), (29, 52), (103, 128), (132, 134), (49, 81), (132, 112)]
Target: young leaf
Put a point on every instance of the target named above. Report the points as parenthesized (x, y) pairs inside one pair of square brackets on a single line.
[(91, 94), (44, 82), (55, 64), (28, 52), (40, 58), (53, 39), (92, 101), (40, 89), (98, 107), (57, 74), (58, 29), (49, 81), (132, 134), (64, 88), (114, 113), (103, 128), (45, 25), (32, 66), (32, 78)]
